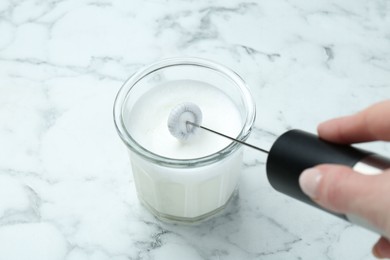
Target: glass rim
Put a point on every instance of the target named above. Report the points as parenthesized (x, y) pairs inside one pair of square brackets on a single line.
[(250, 111)]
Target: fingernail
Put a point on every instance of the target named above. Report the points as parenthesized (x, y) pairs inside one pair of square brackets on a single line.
[(376, 253), (309, 180)]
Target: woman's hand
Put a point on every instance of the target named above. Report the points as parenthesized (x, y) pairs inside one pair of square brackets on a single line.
[(342, 190)]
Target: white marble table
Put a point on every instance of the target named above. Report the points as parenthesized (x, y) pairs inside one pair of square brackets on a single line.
[(66, 188)]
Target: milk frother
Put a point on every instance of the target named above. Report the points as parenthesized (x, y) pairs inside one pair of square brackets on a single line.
[(291, 153)]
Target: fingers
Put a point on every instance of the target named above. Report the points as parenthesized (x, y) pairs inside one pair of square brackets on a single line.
[(342, 190), (370, 124), (382, 248), (334, 187)]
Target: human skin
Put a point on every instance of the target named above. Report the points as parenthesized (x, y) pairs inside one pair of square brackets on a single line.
[(339, 188)]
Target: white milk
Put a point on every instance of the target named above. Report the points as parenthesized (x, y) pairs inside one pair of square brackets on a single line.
[(184, 193), (149, 117)]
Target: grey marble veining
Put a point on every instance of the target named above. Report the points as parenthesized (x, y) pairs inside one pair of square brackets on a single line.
[(66, 188)]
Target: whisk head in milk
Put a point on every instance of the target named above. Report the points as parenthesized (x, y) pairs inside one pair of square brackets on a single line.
[(180, 116)]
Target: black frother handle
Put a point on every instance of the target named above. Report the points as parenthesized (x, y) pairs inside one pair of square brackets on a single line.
[(296, 150)]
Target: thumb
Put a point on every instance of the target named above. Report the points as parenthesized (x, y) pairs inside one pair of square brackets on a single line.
[(342, 190), (382, 248)]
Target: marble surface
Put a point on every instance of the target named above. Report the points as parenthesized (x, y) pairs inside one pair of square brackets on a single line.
[(66, 188)]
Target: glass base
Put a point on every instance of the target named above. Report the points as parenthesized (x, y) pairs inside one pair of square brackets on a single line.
[(184, 220)]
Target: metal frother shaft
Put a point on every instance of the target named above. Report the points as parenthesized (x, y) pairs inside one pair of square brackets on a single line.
[(228, 137)]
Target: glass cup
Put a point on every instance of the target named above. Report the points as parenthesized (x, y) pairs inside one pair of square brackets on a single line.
[(184, 189)]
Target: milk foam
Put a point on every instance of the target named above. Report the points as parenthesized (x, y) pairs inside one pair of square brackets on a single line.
[(148, 119)]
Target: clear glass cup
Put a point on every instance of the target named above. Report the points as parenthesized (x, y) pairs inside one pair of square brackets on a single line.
[(188, 189)]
